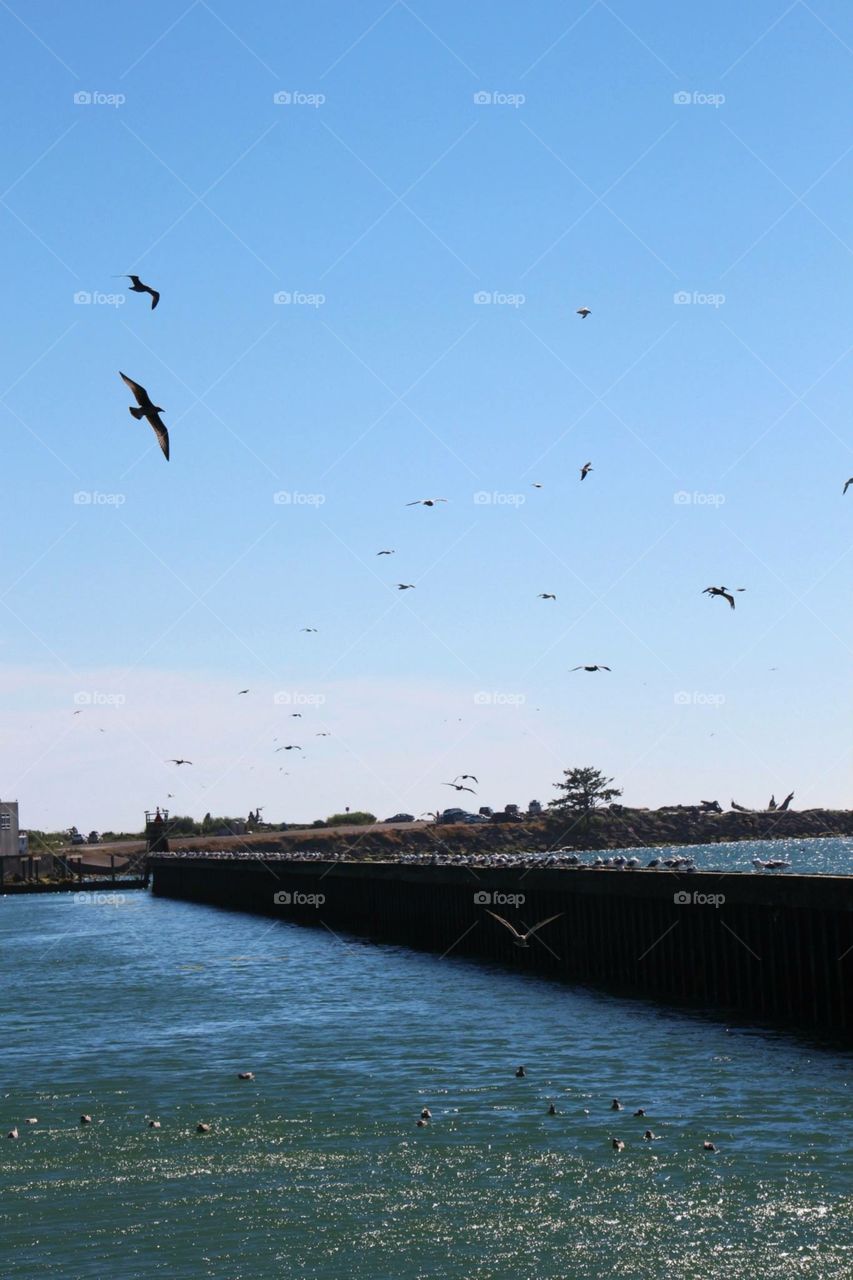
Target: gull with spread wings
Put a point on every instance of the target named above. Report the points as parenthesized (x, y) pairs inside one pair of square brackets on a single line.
[(149, 411), (520, 939)]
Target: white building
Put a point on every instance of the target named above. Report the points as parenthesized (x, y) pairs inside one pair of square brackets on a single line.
[(9, 843)]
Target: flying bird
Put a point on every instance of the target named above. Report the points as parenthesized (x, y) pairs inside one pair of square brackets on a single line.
[(386, 553), (307, 628), (425, 502), (322, 735), (296, 715), (585, 470), (137, 286), (520, 939), (293, 747), (173, 761), (466, 777), (847, 484), (146, 409), (457, 786), (721, 591), (405, 586), (598, 666), (239, 691), (546, 595), (583, 312)]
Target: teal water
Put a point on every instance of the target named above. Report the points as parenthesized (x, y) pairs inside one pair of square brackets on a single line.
[(148, 1008)]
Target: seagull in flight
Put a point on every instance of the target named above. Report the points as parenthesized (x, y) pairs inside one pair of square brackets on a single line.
[(583, 312), (137, 286), (405, 586), (307, 628), (386, 553), (151, 412), (293, 747), (847, 484), (597, 666), (457, 786), (585, 470), (546, 595), (534, 484), (239, 691), (323, 734), (466, 777), (521, 939), (173, 761), (721, 591), (425, 502)]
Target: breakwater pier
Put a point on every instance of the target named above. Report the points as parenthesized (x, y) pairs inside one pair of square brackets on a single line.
[(776, 949)]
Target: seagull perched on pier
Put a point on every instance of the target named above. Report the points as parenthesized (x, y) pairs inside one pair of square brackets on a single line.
[(521, 939), (136, 286), (585, 470), (145, 408), (597, 666)]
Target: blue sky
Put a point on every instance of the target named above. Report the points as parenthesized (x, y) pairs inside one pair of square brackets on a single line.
[(626, 158)]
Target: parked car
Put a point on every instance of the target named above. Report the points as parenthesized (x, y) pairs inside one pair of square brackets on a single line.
[(506, 816), (77, 837), (401, 817), (451, 815)]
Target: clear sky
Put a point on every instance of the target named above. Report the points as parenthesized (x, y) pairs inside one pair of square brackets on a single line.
[(682, 170)]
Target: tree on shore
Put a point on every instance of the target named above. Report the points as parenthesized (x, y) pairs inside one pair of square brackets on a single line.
[(582, 790)]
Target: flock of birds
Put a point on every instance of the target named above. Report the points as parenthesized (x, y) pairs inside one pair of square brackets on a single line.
[(423, 1121)]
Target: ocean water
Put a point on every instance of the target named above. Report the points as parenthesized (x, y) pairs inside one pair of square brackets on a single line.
[(133, 1008)]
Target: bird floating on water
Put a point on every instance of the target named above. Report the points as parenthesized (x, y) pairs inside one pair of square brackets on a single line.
[(520, 1073), (13, 1133), (245, 1075), (616, 1105), (202, 1128), (708, 1146), (145, 408), (521, 939), (552, 1110), (31, 1120), (85, 1119), (617, 1144), (153, 1124), (426, 1114), (138, 287)]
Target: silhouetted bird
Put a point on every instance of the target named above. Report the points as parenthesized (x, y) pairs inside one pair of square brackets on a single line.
[(386, 553), (585, 470), (720, 591), (583, 312), (137, 286), (597, 666), (786, 801), (546, 595), (847, 484), (458, 787), (425, 502), (173, 761), (405, 586), (148, 410)]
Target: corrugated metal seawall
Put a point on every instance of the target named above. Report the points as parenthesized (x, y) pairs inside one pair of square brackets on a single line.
[(779, 949)]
